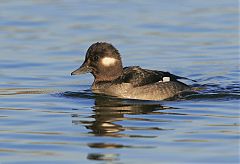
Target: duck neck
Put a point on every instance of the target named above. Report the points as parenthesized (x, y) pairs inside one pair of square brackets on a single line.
[(108, 76)]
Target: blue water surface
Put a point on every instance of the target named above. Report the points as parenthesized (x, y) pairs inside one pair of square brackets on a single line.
[(48, 116)]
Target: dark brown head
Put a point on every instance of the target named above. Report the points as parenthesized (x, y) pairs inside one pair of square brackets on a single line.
[(103, 61)]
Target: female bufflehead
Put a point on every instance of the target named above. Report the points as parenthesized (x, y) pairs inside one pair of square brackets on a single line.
[(104, 62)]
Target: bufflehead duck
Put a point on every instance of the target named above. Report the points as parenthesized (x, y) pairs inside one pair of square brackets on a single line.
[(104, 62)]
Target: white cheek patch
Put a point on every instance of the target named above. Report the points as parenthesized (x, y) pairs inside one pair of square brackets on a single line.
[(107, 61), (166, 79)]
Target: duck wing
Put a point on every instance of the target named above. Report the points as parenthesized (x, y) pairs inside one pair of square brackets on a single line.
[(139, 77)]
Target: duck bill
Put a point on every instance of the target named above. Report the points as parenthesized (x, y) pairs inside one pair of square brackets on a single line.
[(84, 68)]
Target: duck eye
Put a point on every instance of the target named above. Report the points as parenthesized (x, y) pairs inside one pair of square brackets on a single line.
[(95, 58)]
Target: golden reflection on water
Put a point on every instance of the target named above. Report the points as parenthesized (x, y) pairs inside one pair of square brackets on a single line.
[(15, 109), (24, 91), (39, 153)]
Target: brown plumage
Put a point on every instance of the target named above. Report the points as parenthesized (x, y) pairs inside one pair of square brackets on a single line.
[(104, 61)]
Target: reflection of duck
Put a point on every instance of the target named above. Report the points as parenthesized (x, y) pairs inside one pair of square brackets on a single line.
[(103, 157), (108, 114), (104, 62), (109, 110)]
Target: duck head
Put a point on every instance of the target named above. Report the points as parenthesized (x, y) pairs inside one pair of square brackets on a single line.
[(103, 61)]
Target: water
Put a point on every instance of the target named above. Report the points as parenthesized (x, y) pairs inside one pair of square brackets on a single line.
[(48, 116)]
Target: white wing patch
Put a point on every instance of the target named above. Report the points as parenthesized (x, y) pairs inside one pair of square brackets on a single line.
[(107, 61), (166, 79)]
